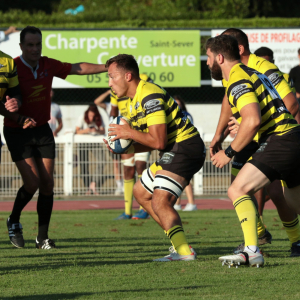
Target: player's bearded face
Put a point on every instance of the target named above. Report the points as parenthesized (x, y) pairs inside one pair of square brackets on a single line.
[(216, 72)]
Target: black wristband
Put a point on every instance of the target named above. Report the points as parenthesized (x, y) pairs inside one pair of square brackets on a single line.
[(230, 152)]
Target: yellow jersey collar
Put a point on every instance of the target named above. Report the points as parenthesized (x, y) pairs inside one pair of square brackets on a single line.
[(138, 89), (233, 70)]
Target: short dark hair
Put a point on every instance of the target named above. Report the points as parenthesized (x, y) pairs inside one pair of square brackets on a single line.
[(264, 51), (299, 51), (240, 35), (225, 45), (126, 62), (28, 29)]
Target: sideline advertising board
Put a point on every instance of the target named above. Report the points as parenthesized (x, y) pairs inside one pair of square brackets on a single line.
[(283, 42), (170, 57)]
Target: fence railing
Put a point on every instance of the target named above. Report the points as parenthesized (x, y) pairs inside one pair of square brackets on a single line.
[(82, 159)]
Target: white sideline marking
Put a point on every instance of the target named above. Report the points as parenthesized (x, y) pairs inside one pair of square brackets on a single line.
[(224, 199), (94, 205)]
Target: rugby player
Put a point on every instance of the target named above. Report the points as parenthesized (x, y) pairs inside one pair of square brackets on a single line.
[(288, 217), (10, 93), (33, 150), (131, 162), (157, 123), (262, 115)]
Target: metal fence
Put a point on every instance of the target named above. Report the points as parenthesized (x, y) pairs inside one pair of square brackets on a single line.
[(81, 160)]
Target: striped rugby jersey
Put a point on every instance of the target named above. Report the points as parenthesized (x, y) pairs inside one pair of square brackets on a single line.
[(9, 83), (271, 71), (152, 105), (120, 102), (245, 86)]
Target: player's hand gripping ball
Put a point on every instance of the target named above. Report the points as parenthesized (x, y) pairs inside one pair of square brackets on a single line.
[(121, 145)]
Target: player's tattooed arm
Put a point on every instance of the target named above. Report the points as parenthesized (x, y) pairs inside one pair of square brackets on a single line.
[(87, 68)]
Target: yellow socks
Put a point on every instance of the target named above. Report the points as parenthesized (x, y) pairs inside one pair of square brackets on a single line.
[(247, 215), (292, 230), (261, 229), (128, 195), (178, 240)]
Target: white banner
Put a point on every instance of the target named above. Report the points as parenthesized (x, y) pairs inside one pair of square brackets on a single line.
[(283, 42)]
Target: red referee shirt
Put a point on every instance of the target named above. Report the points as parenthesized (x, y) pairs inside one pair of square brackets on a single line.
[(36, 86)]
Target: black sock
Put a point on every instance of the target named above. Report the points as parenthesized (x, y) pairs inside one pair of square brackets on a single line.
[(23, 197), (44, 210)]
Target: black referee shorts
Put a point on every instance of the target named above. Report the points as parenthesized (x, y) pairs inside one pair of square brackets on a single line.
[(31, 142), (278, 158)]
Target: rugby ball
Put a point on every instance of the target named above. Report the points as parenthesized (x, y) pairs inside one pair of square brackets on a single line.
[(121, 145)]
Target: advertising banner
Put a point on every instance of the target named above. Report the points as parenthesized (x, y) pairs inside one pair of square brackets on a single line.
[(170, 57), (283, 42)]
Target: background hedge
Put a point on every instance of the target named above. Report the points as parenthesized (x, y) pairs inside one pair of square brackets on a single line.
[(151, 13)]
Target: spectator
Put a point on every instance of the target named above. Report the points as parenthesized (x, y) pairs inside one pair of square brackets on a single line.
[(56, 117), (4, 34), (99, 101), (90, 123), (295, 77), (189, 189)]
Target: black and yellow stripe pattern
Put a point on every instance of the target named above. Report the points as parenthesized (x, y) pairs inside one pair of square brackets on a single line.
[(121, 103), (9, 83), (247, 86), (278, 79), (152, 105)]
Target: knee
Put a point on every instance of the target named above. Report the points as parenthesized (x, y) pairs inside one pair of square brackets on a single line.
[(31, 186), (46, 187), (232, 192), (128, 172)]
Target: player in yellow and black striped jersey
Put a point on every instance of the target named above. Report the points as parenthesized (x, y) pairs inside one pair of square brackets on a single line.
[(131, 162), (9, 89), (274, 190), (256, 101), (267, 53), (158, 123), (9, 83), (244, 83)]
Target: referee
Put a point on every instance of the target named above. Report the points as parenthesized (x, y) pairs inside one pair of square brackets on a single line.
[(33, 150)]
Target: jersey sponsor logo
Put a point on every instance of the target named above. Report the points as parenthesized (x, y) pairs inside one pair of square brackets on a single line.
[(37, 90), (238, 89), (274, 78), (282, 109), (137, 105), (152, 103), (262, 147), (166, 158)]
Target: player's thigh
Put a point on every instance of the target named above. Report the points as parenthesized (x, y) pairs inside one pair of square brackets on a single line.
[(167, 187), (248, 181), (45, 168), (30, 174), (241, 158), (141, 193)]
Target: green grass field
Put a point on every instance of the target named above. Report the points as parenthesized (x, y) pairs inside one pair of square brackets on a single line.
[(98, 258)]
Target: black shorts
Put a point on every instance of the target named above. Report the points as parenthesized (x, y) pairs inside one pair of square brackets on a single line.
[(278, 158), (184, 159), (242, 157), (31, 142)]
